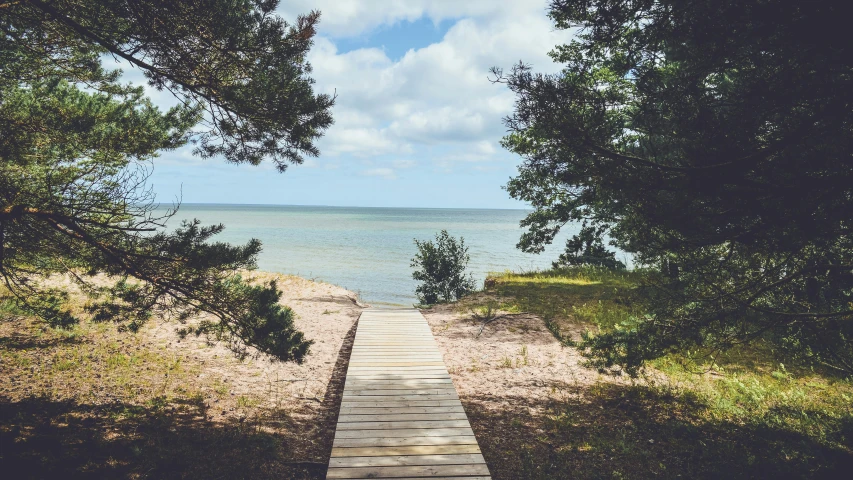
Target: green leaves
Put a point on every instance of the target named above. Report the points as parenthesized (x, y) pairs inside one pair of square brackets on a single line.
[(254, 319), (76, 148), (587, 248), (709, 142), (240, 63), (440, 267)]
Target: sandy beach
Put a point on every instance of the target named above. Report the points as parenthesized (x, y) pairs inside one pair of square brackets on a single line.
[(151, 399)]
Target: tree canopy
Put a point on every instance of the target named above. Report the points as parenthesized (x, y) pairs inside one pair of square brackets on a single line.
[(76, 147), (713, 140)]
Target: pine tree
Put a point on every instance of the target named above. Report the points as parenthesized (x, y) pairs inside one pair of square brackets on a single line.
[(712, 140), (76, 148)]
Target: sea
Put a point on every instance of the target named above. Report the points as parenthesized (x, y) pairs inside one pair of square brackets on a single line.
[(369, 250)]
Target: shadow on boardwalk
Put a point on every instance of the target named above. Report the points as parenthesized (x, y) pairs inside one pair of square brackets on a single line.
[(43, 438)]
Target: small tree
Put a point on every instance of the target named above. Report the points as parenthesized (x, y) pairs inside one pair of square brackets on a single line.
[(440, 267), (587, 248)]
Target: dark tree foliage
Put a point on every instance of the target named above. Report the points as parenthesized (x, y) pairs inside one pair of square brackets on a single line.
[(440, 269), (714, 141), (587, 248), (76, 148)]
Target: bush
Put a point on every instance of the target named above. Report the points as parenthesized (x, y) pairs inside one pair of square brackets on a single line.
[(440, 267)]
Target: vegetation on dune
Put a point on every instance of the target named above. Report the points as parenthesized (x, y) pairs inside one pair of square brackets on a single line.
[(711, 140), (76, 146), (87, 401), (747, 412)]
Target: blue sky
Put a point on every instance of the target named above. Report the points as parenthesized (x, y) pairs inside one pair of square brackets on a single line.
[(417, 123)]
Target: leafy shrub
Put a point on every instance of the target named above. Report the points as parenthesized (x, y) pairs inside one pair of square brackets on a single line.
[(440, 267)]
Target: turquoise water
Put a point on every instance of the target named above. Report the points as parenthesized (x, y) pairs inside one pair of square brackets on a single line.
[(369, 250)]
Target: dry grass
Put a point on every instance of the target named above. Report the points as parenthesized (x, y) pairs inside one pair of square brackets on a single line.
[(746, 416), (91, 402)]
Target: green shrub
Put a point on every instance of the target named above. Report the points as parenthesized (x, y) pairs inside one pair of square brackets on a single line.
[(440, 267)]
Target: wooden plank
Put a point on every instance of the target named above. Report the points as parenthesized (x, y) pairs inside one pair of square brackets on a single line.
[(404, 403), (351, 387), (393, 353), (402, 337), (407, 460), (424, 337), (400, 376), (454, 449), (388, 351), (408, 471), (405, 391), (439, 382), (422, 363), (403, 425), (414, 381), (393, 370), (385, 390), (384, 353), (386, 337), (401, 355), (404, 441), (411, 348), (399, 417), (405, 433), (389, 410), (395, 359), (374, 371), (396, 371), (397, 398), (408, 384), (397, 332)]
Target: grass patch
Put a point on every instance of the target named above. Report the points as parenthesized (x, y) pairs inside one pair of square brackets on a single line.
[(657, 430), (92, 402), (743, 414), (595, 297)]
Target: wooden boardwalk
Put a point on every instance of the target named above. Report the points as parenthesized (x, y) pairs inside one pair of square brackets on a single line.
[(400, 416)]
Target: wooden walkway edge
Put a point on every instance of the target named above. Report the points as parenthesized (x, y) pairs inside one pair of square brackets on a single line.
[(400, 415)]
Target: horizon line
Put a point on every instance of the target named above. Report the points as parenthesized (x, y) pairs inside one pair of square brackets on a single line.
[(338, 206)]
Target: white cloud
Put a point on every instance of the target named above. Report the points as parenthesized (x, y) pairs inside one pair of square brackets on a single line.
[(361, 142), (404, 163), (433, 96), (433, 106), (346, 18), (385, 173)]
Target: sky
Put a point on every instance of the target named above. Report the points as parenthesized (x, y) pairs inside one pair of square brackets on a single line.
[(417, 121)]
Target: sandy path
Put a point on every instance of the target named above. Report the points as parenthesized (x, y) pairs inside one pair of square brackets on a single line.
[(325, 314), (513, 357), (509, 378)]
